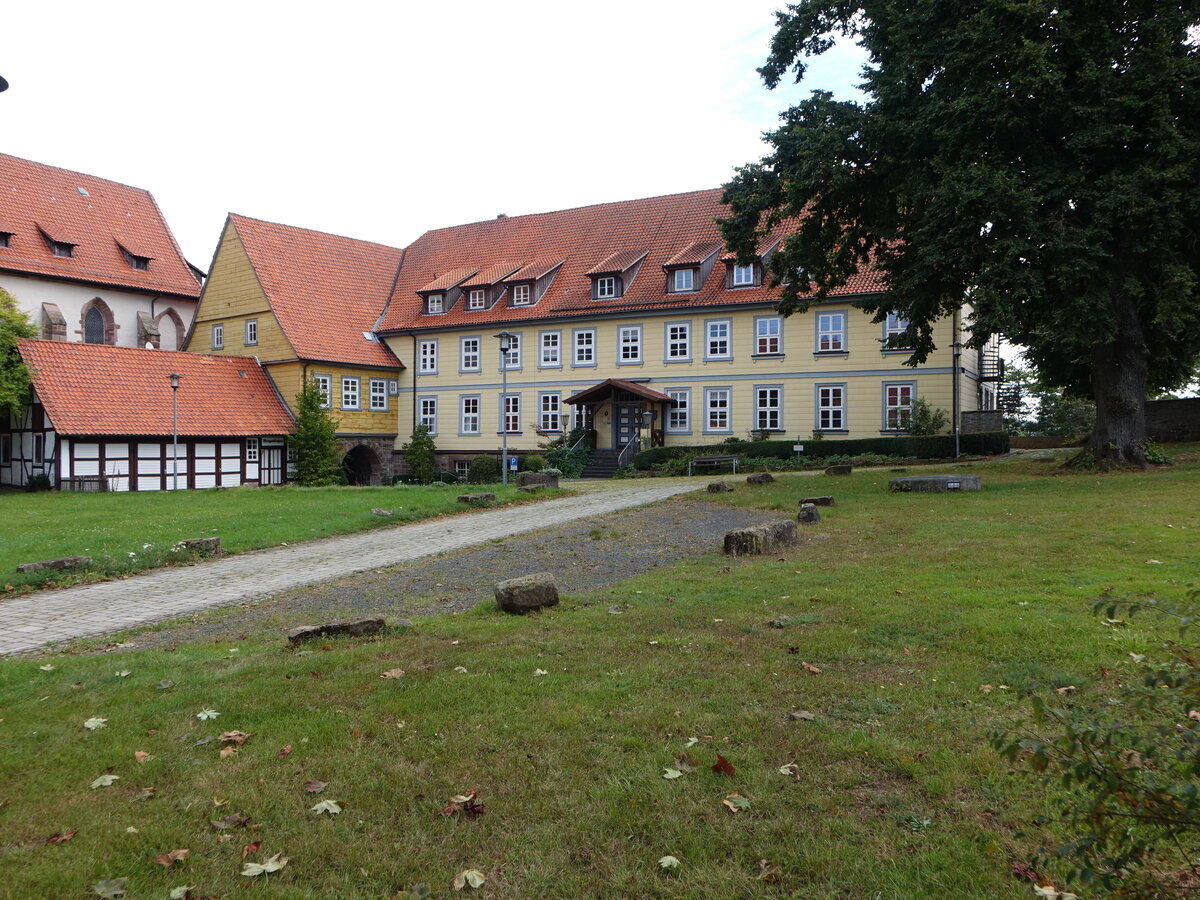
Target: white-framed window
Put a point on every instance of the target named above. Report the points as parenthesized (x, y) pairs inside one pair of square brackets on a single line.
[(584, 343), (898, 397), (717, 342), (218, 336), (679, 341), (325, 386), (477, 298), (987, 397), (521, 295), (251, 450), (468, 414), (606, 287), (435, 304), (512, 359), (379, 394), (511, 415), (39, 449), (350, 393), (893, 325), (717, 402), (427, 357), (768, 336), (427, 413), (550, 412), (831, 332), (462, 468), (551, 350), (831, 407), (743, 276), (629, 344), (468, 359), (251, 332), (768, 408), (679, 419), (683, 280), (584, 416)]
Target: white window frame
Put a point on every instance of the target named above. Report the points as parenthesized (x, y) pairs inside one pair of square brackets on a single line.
[(743, 276), (325, 385), (550, 350), (427, 413), (39, 448), (352, 392), (677, 347), (580, 346), (435, 304), (510, 413), (606, 287), (462, 467), (831, 332), (512, 359), (683, 281), (679, 416), (830, 415), (768, 330), (522, 295), (252, 450), (465, 355), (477, 299), (469, 408), (218, 336), (710, 340), (768, 407), (550, 411), (629, 345), (378, 395), (894, 324), (719, 401), (427, 354), (897, 417), (251, 332)]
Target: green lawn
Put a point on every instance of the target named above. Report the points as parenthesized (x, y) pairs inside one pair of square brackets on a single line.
[(128, 531), (906, 604)]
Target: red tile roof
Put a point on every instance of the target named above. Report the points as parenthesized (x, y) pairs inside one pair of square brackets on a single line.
[(95, 389), (37, 199), (588, 239), (536, 268), (618, 262), (695, 254), (491, 275), (325, 290)]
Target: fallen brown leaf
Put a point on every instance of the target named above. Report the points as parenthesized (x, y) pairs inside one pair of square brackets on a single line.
[(141, 755), (723, 766), (809, 667), (768, 872), (234, 737), (284, 751), (169, 859), (227, 752), (231, 821), (392, 673), (1068, 689), (252, 847), (62, 838), (315, 787)]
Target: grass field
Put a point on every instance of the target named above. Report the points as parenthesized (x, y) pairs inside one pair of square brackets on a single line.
[(901, 607), (125, 532)]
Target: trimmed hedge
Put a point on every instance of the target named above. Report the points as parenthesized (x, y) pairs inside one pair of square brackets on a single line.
[(909, 446)]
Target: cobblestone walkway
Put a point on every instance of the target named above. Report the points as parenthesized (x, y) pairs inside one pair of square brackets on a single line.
[(30, 621)]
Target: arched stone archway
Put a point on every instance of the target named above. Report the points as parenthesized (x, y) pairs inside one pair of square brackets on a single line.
[(170, 329), (362, 465), (96, 323)]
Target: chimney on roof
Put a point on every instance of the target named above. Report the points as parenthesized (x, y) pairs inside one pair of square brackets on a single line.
[(502, 216)]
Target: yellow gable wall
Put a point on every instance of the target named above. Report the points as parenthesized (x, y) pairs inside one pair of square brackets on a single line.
[(289, 379), (863, 369)]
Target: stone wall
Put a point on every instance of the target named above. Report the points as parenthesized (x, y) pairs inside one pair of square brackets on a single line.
[(981, 421), (1173, 420)]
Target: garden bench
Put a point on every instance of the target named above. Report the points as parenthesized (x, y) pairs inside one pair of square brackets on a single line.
[(713, 461)]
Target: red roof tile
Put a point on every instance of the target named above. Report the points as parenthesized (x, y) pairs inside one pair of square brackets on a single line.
[(661, 228), (617, 262), (492, 274), (695, 254), (325, 290), (450, 279), (95, 389), (37, 199), (535, 269)]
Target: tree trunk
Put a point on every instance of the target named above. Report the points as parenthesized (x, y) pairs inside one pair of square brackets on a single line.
[(1119, 388)]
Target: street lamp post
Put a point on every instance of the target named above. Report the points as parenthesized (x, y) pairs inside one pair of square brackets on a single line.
[(506, 341), (957, 347), (174, 431)]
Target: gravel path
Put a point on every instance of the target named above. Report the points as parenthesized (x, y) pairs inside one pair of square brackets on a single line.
[(585, 556)]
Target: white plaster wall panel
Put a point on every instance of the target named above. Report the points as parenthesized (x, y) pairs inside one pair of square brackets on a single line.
[(149, 451), (87, 451), (231, 465), (206, 481), (252, 471), (148, 484), (206, 450), (87, 467), (206, 466), (231, 449)]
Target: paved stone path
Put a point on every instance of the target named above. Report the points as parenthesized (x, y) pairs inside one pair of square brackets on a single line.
[(29, 621)]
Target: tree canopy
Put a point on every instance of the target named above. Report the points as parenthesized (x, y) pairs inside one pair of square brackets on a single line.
[(14, 376), (1038, 159), (315, 439)]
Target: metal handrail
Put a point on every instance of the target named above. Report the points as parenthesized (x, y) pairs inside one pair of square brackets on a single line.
[(586, 434), (636, 439)]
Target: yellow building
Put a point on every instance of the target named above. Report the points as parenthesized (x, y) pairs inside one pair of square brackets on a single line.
[(305, 304), (631, 318)]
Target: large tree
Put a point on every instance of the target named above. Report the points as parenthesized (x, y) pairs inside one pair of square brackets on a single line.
[(1040, 159), (314, 438), (14, 376)]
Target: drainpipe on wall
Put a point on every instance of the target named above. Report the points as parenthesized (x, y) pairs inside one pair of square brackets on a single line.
[(415, 366)]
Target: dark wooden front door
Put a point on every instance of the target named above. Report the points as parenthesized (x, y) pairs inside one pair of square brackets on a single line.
[(626, 423)]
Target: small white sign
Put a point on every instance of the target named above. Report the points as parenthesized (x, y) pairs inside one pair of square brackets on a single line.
[(799, 448)]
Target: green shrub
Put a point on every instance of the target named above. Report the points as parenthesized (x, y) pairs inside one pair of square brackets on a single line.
[(926, 419), (571, 462), (532, 462), (314, 438), (484, 469), (420, 455), (38, 483)]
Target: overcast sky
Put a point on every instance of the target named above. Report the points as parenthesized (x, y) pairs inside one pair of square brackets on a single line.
[(383, 120)]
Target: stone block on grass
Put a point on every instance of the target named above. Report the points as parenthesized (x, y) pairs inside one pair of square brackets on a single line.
[(526, 593), (760, 478), (818, 501), (351, 628), (719, 487), (205, 546), (476, 498), (539, 479), (839, 470), (934, 484), (61, 565), (809, 514), (381, 512), (759, 539)]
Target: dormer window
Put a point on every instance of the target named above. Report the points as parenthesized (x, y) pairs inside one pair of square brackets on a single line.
[(141, 263), (606, 288), (5, 238), (434, 304), (743, 276), (521, 295), (477, 299), (683, 281), (61, 248), (613, 275)]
